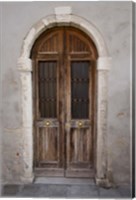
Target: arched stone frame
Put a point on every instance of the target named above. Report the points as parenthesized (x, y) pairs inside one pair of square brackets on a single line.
[(63, 16)]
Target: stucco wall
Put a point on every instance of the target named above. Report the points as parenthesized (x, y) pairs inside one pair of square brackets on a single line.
[(113, 19)]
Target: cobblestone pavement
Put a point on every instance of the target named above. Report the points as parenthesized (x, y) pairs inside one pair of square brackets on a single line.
[(77, 190)]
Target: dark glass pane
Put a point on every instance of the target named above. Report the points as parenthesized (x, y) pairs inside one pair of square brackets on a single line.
[(47, 88), (80, 89)]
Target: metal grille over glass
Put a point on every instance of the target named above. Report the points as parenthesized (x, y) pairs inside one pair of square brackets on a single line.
[(47, 71), (80, 89)]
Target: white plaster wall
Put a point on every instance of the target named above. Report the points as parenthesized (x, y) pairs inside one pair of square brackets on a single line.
[(113, 19)]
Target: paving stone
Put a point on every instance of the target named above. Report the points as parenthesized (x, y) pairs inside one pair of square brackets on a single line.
[(56, 191), (11, 190), (125, 191), (43, 190), (83, 191), (32, 190), (65, 191), (109, 193)]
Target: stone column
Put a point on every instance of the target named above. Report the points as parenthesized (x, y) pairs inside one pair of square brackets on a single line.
[(25, 69), (103, 65)]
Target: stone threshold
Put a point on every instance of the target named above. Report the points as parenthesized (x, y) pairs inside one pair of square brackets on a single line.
[(63, 180)]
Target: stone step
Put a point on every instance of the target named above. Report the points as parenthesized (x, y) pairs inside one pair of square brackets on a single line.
[(63, 180)]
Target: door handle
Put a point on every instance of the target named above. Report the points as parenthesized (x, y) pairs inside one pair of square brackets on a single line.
[(47, 123), (80, 124)]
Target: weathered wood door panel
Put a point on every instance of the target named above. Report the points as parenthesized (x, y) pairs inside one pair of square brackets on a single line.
[(79, 127), (63, 103), (48, 132)]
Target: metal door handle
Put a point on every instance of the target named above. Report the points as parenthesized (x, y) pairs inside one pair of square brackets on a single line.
[(47, 123), (80, 124)]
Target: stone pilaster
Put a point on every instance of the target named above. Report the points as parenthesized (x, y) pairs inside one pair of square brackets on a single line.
[(103, 66), (25, 69)]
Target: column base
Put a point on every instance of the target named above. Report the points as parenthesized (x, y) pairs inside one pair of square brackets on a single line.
[(104, 182), (28, 180)]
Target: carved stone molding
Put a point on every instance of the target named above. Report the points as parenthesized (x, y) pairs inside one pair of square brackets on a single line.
[(64, 17)]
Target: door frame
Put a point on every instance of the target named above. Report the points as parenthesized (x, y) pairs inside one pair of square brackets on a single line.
[(63, 17)]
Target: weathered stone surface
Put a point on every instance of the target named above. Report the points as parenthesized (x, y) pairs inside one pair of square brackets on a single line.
[(125, 191), (11, 190), (109, 193), (64, 191), (83, 191)]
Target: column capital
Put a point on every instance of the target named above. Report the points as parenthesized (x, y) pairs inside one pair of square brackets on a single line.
[(104, 63), (24, 64)]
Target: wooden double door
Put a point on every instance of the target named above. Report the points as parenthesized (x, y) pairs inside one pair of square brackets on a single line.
[(63, 92)]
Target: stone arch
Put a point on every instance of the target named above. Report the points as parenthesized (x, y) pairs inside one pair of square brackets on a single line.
[(64, 17)]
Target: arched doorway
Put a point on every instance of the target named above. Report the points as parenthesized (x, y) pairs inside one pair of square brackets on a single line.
[(63, 17), (64, 77)]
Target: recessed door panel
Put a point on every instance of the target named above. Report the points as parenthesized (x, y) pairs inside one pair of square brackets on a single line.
[(80, 147), (48, 144)]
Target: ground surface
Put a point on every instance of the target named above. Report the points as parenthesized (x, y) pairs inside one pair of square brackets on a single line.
[(70, 188)]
